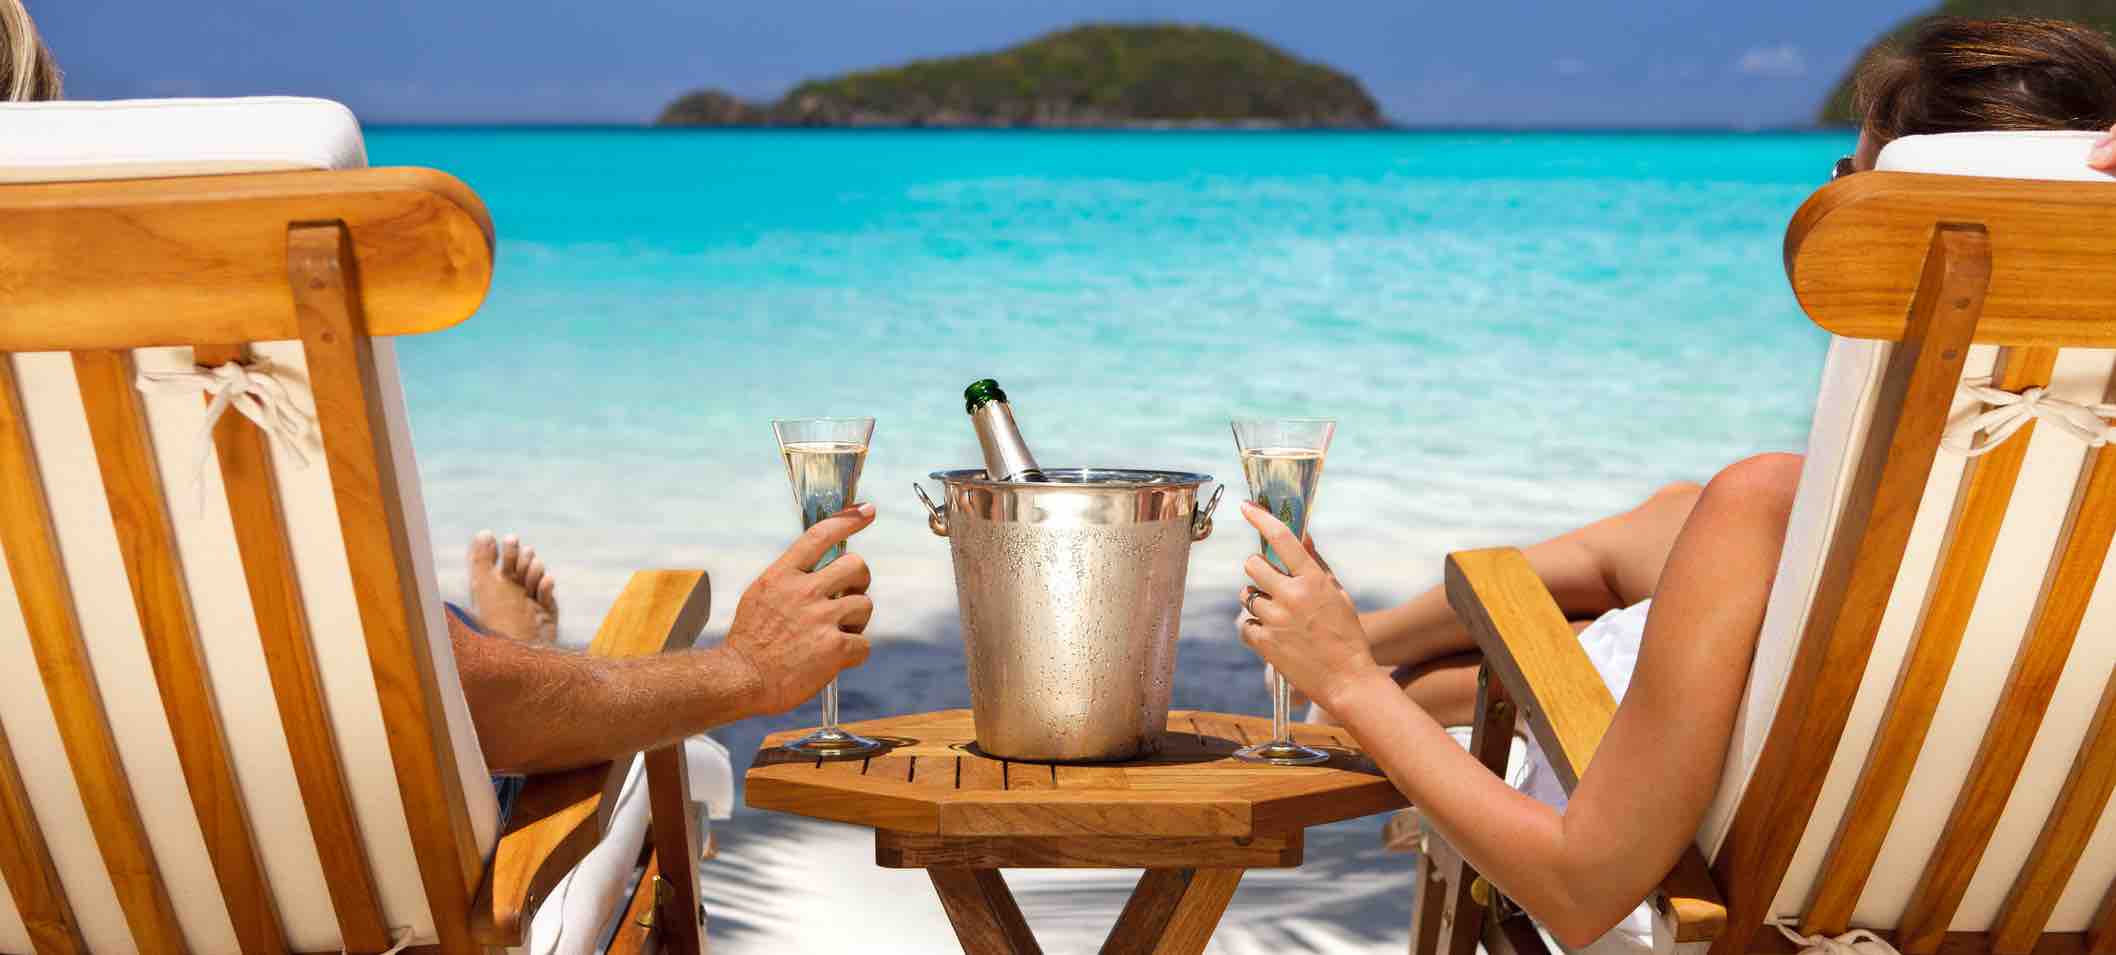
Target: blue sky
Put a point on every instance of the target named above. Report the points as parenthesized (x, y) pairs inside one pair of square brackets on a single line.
[(1512, 63)]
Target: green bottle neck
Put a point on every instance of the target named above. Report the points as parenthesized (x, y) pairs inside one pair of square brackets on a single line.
[(982, 392)]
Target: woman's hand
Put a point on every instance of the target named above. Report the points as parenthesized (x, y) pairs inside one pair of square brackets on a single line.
[(2103, 155), (1303, 623)]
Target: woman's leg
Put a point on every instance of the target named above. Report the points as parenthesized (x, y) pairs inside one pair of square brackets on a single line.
[(1447, 687), (1609, 564)]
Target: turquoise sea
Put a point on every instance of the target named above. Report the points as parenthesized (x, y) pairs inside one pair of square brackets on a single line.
[(1517, 333)]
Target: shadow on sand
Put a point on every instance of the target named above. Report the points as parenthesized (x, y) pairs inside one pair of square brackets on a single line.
[(783, 884)]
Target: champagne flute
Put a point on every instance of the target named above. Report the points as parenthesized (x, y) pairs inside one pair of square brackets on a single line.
[(1283, 460), (823, 459)]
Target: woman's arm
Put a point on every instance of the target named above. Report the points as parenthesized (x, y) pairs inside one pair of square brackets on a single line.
[(1658, 766)]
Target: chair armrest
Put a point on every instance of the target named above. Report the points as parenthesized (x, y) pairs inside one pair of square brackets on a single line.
[(556, 820), (1531, 648), (659, 610), (558, 817)]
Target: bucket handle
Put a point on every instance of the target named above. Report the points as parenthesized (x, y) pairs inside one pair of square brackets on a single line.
[(936, 517), (1200, 522)]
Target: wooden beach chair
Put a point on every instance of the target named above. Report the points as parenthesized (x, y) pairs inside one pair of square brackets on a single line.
[(230, 720), (1927, 744)]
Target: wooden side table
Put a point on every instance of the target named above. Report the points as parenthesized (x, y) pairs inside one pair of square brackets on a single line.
[(1192, 816)]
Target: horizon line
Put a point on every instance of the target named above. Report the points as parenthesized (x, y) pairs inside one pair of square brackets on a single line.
[(585, 126)]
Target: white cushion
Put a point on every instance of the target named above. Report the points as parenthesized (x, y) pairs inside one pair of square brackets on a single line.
[(1844, 410), (70, 141), (67, 141)]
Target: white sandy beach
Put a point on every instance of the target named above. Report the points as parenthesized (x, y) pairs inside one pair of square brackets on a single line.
[(783, 885)]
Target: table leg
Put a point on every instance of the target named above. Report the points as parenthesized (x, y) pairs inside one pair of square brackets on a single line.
[(986, 920), (1172, 912)]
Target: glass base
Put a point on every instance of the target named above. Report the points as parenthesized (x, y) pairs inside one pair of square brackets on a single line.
[(1282, 753), (834, 744)]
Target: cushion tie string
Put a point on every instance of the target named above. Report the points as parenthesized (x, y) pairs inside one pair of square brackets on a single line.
[(253, 391), (1845, 944), (2008, 412), (402, 938)]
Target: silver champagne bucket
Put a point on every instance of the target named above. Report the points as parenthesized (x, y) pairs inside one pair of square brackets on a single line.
[(1071, 594)]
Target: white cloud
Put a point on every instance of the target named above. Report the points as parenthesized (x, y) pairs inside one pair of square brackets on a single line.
[(1783, 61), (1570, 66)]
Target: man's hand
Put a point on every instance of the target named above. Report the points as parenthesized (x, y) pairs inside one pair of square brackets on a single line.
[(795, 629), (1304, 623), (2103, 155)]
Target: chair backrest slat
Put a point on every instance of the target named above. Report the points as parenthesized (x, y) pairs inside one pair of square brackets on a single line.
[(2065, 832), (2060, 608), (42, 589), (1972, 530), (323, 273), (25, 865), (2101, 937), (146, 539), (1858, 573), (2037, 665), (261, 541)]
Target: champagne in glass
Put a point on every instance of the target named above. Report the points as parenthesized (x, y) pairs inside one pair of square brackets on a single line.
[(1282, 481), (823, 458), (1283, 460), (825, 476)]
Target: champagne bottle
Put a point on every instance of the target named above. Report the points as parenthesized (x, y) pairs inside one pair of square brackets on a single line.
[(1007, 457)]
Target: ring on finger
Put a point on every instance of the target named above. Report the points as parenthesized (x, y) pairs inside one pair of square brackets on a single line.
[(1249, 596)]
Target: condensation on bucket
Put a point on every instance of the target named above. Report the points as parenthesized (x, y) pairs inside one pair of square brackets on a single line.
[(1071, 601)]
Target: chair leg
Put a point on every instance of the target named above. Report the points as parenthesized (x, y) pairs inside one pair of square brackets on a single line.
[(1425, 918), (673, 834), (1459, 899)]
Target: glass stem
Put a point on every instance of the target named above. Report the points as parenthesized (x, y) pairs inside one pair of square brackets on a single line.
[(1281, 701), (830, 692)]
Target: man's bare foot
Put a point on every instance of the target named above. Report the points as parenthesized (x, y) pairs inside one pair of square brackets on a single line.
[(510, 590)]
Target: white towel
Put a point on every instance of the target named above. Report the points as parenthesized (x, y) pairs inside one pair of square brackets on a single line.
[(573, 920), (1612, 643)]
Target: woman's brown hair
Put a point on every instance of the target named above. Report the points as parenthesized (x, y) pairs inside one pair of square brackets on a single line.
[(26, 68), (1956, 75)]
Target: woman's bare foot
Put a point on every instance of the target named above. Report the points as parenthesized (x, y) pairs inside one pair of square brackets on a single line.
[(510, 590)]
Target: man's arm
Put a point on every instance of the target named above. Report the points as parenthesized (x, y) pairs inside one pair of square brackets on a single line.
[(538, 709)]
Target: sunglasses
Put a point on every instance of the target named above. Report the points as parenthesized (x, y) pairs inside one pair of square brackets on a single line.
[(1844, 167)]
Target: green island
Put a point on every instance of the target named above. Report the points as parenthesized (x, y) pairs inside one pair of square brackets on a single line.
[(2099, 14), (1097, 75)]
